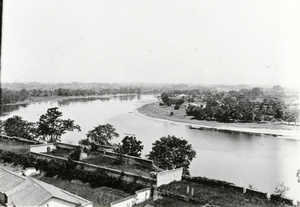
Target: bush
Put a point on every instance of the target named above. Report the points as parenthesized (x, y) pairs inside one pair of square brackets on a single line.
[(85, 142), (75, 154), (177, 106)]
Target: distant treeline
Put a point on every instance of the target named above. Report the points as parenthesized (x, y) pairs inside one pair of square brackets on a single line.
[(12, 96)]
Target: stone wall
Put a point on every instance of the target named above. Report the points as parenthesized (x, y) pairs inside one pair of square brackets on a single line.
[(19, 139), (139, 197), (248, 192), (130, 177), (168, 176)]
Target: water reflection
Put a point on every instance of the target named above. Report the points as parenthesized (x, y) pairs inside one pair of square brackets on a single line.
[(6, 109), (66, 102)]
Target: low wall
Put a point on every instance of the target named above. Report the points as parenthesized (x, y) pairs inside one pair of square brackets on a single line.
[(139, 197), (278, 198), (19, 139), (255, 193), (129, 177), (248, 192), (181, 197), (168, 176), (215, 183), (66, 146), (42, 148)]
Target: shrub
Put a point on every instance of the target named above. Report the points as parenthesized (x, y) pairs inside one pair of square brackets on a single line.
[(75, 154), (177, 106)]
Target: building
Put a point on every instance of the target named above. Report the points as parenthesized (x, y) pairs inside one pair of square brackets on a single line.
[(201, 105), (17, 190)]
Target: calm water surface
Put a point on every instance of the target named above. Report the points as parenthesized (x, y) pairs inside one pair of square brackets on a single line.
[(262, 161)]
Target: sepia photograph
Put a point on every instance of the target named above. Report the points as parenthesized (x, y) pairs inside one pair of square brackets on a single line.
[(139, 103)]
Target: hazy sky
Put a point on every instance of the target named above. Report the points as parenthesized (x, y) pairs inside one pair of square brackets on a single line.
[(157, 41)]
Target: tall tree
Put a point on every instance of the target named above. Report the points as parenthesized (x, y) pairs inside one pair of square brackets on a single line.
[(102, 134), (172, 152), (51, 127), (16, 126), (131, 146)]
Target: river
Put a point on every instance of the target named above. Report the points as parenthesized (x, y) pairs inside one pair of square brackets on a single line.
[(261, 161)]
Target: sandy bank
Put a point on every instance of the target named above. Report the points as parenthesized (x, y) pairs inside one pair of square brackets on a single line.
[(153, 110)]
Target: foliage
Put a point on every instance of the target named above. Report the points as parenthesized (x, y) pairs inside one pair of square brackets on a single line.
[(12, 96), (84, 142), (102, 134), (131, 146), (16, 126), (177, 106), (165, 98), (75, 154), (243, 106), (51, 127), (172, 152), (281, 189), (9, 96)]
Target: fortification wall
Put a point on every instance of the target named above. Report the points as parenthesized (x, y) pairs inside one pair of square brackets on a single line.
[(168, 176), (139, 197), (129, 177), (19, 139)]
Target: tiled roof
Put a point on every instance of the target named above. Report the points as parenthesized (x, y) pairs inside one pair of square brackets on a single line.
[(26, 191), (9, 180)]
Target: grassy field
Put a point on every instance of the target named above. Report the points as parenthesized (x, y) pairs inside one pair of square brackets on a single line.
[(215, 195), (102, 196), (14, 146)]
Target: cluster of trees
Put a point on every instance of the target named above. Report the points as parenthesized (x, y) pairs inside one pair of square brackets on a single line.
[(49, 128), (11, 96), (168, 152), (245, 105)]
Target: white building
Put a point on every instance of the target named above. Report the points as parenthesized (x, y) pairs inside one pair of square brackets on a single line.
[(17, 190)]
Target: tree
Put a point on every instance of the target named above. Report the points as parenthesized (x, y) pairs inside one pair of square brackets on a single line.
[(131, 146), (51, 127), (172, 152), (102, 134), (16, 126), (165, 98), (281, 189)]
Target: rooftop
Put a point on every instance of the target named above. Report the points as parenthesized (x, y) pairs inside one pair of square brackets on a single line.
[(26, 191)]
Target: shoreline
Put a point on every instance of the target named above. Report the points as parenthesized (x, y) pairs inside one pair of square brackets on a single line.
[(58, 98), (156, 112)]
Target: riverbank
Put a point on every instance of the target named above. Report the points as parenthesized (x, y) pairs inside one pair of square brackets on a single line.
[(57, 98), (153, 110)]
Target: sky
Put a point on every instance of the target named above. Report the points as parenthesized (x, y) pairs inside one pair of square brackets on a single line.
[(143, 41)]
